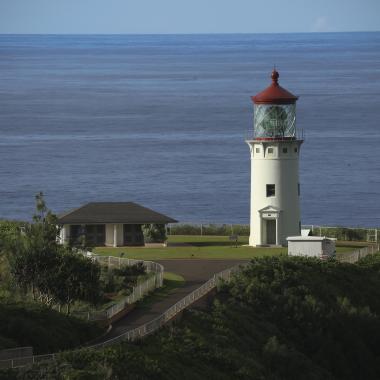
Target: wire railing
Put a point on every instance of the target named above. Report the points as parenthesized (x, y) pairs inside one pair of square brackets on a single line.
[(358, 254), (370, 235), (173, 311), (298, 134), (143, 330), (137, 292), (227, 229)]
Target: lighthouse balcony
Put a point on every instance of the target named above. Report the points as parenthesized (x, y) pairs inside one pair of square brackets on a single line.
[(298, 135)]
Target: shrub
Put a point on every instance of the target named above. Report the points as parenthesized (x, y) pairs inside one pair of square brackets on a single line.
[(210, 229), (154, 233)]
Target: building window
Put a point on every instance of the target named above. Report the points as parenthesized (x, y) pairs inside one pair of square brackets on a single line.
[(270, 150), (299, 190), (271, 190), (295, 150), (284, 150), (257, 150)]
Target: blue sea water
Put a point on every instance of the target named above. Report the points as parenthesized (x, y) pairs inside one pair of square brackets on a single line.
[(162, 119)]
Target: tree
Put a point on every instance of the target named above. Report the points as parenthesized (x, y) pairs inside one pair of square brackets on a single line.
[(35, 253), (154, 233), (77, 279), (10, 232), (51, 272)]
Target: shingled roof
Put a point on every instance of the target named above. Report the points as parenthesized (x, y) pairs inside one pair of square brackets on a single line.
[(113, 212)]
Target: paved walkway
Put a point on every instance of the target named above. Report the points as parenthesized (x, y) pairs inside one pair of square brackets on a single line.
[(195, 273)]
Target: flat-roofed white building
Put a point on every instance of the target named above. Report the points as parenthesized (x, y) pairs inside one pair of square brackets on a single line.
[(311, 246)]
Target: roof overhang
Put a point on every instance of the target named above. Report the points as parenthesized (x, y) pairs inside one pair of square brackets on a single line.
[(113, 213)]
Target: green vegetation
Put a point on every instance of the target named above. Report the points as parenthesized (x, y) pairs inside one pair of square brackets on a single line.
[(115, 285), (210, 229), (38, 276), (154, 233), (198, 240), (56, 275), (46, 271), (340, 233), (46, 330), (343, 233), (281, 318), (114, 280), (199, 247), (172, 281)]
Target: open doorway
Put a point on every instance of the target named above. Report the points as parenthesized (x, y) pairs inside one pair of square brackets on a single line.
[(271, 231)]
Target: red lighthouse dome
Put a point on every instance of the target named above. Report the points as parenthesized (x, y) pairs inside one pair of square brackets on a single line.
[(274, 94)]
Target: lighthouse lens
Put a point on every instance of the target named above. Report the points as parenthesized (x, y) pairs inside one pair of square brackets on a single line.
[(274, 121)]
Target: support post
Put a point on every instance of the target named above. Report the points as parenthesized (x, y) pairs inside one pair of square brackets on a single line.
[(63, 234), (276, 231), (115, 235)]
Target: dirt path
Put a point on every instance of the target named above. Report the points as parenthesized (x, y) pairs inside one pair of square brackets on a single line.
[(195, 273)]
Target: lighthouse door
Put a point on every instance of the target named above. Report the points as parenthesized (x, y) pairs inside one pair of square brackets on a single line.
[(271, 231)]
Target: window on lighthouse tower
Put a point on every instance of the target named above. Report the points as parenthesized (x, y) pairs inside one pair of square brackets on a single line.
[(271, 190)]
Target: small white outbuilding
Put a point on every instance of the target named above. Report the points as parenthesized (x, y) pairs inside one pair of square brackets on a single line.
[(311, 246)]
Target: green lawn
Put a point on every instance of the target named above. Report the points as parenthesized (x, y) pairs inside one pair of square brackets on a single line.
[(194, 247), (199, 247)]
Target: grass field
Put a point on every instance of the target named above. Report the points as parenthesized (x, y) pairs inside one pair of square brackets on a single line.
[(200, 247)]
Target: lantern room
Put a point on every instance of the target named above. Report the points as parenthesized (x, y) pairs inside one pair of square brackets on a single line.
[(274, 112)]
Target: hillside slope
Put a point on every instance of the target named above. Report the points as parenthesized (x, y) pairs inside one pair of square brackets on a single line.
[(281, 318)]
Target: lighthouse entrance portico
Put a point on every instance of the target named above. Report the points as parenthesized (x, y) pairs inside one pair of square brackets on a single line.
[(269, 225)]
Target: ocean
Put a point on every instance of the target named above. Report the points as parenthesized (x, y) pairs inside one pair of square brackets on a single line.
[(162, 120)]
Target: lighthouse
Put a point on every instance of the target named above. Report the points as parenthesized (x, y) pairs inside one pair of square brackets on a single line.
[(275, 149)]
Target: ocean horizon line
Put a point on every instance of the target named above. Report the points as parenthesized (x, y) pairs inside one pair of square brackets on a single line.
[(191, 34)]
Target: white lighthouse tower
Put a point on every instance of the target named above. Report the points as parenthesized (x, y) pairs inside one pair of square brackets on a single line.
[(275, 149)]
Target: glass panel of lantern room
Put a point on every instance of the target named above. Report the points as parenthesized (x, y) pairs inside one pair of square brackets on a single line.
[(275, 121)]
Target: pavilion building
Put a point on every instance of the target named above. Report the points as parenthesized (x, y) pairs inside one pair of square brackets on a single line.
[(110, 224)]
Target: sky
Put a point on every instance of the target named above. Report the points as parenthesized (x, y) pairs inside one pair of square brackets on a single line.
[(187, 16)]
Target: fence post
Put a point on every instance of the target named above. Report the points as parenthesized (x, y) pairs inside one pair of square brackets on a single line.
[(201, 229)]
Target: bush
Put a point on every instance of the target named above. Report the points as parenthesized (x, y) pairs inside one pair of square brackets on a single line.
[(185, 229), (154, 233), (280, 318), (121, 279), (9, 231), (342, 233), (46, 330), (210, 229)]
